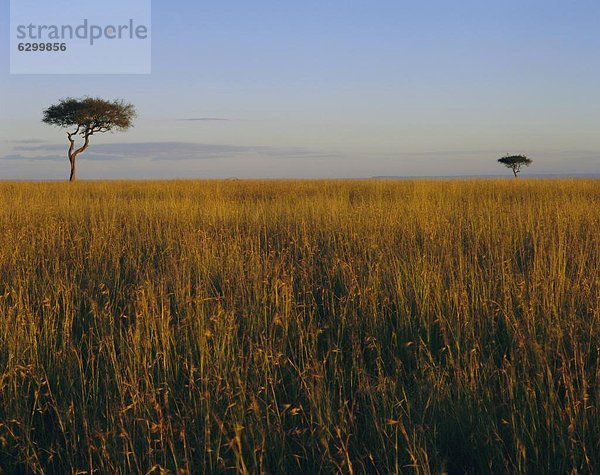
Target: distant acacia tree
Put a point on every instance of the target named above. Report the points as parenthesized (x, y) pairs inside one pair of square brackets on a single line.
[(87, 117), (515, 162)]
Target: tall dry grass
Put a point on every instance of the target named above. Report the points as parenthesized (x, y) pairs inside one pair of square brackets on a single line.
[(300, 327)]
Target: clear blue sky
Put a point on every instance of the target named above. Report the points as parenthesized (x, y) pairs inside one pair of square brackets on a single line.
[(332, 89)]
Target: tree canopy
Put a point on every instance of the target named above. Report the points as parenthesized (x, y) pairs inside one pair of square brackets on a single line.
[(515, 162), (90, 115)]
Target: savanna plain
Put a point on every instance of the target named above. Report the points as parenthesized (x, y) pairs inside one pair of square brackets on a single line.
[(300, 327)]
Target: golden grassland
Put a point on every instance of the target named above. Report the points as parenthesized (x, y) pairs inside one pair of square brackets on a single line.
[(300, 326)]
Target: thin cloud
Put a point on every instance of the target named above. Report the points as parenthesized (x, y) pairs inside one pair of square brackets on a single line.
[(205, 119), (47, 147), (188, 151), (157, 151), (56, 158), (16, 156), (27, 141)]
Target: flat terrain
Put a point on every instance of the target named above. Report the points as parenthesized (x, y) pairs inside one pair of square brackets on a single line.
[(300, 327)]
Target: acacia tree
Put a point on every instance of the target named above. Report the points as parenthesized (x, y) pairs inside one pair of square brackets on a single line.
[(515, 162), (88, 116)]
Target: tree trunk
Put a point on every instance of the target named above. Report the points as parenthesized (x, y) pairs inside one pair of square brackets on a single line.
[(515, 173), (72, 176), (73, 153)]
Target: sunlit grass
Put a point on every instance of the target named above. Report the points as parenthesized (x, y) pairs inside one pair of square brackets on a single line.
[(300, 326)]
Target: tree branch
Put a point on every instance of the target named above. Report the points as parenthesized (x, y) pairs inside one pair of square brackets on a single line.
[(86, 143), (72, 152), (72, 146)]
